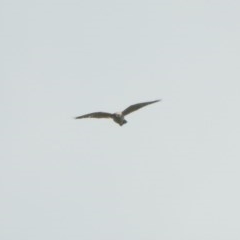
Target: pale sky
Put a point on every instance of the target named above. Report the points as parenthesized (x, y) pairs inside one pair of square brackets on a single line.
[(172, 172)]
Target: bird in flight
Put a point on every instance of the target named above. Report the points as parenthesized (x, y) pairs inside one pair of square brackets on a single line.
[(117, 117)]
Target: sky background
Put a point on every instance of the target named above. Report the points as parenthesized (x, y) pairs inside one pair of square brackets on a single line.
[(172, 172)]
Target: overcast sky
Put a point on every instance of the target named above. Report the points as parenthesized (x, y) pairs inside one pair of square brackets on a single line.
[(172, 172)]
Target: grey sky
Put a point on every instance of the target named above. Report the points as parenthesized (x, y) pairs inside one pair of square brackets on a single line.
[(172, 172)]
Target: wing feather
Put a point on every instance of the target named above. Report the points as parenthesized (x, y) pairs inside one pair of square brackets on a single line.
[(137, 106), (95, 115)]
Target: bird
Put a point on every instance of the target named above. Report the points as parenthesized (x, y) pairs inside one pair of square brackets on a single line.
[(118, 117)]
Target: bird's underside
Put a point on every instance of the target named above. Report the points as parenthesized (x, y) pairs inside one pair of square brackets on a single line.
[(119, 116)]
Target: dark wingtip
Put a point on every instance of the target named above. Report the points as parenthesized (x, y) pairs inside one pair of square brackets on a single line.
[(158, 100)]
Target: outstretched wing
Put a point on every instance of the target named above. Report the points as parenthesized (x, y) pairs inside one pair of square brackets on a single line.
[(135, 107), (96, 115)]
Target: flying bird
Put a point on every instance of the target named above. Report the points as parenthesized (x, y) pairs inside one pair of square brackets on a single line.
[(117, 117)]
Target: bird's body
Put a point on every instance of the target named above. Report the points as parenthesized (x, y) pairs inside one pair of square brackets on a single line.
[(117, 117)]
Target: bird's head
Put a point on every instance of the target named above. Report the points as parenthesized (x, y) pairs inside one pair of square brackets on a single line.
[(118, 114)]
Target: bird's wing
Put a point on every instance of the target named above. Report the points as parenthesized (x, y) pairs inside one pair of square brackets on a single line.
[(135, 107), (96, 115)]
